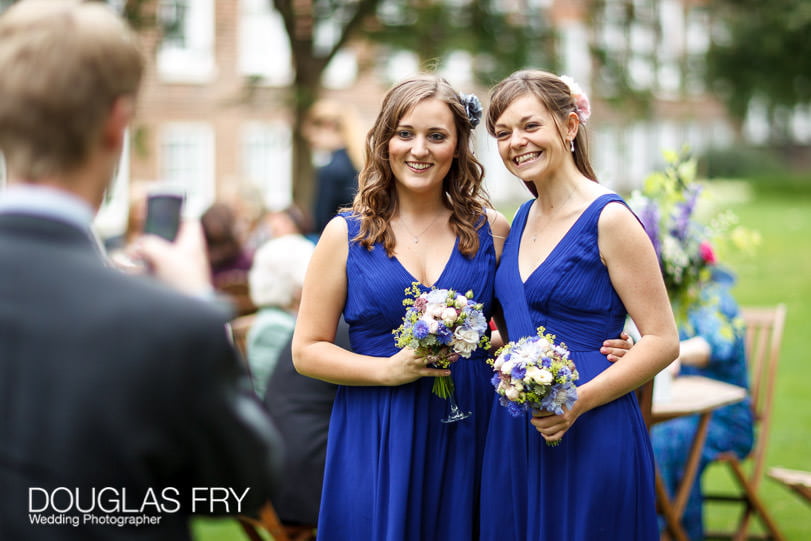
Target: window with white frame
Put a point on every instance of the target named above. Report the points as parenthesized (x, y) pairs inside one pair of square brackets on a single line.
[(186, 51), (187, 161), (264, 50), (266, 161)]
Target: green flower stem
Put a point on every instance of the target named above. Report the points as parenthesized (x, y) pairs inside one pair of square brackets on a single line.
[(443, 386)]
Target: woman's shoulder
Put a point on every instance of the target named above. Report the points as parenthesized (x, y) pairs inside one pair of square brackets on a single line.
[(499, 226)]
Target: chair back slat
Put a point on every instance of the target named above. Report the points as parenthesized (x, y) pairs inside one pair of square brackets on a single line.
[(764, 336)]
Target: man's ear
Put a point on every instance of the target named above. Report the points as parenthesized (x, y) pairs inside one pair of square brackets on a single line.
[(115, 126)]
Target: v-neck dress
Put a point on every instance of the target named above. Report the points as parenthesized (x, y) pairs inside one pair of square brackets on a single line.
[(599, 482), (394, 471)]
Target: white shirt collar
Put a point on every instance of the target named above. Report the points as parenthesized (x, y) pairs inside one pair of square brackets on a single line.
[(46, 202)]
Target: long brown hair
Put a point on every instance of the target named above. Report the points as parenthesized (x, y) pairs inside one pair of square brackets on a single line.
[(376, 200), (555, 95)]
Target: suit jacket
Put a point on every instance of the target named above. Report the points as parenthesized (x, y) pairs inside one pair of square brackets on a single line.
[(119, 398)]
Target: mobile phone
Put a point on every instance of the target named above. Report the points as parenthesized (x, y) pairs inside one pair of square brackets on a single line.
[(163, 211)]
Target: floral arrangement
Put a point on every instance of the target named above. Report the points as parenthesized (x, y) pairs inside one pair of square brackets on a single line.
[(442, 326), (534, 373), (581, 100), (473, 108), (686, 242)]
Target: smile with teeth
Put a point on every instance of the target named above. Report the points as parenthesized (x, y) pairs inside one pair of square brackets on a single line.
[(419, 166), (526, 157)]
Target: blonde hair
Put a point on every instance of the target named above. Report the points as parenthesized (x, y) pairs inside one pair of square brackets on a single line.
[(555, 95), (346, 121), (376, 200), (63, 65)]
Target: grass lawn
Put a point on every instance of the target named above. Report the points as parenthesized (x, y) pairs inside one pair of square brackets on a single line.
[(779, 272)]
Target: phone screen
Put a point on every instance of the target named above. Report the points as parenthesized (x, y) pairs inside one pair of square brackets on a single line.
[(163, 215)]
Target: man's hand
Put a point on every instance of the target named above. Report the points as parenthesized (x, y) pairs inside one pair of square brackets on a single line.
[(182, 264)]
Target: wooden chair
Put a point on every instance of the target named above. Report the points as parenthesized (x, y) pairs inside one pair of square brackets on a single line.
[(764, 335), (797, 480), (237, 290), (267, 520), (239, 327)]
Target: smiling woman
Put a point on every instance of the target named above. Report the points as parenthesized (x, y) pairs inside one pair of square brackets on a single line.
[(394, 471), (575, 260)]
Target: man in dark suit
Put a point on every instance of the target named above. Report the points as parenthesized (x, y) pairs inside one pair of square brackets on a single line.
[(123, 407)]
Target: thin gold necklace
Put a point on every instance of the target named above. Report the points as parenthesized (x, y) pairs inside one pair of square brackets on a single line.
[(417, 237)]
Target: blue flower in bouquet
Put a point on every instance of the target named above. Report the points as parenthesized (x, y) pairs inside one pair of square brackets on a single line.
[(442, 326), (420, 329), (561, 395), (535, 373)]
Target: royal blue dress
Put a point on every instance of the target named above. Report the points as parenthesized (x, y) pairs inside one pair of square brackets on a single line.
[(599, 482), (394, 471)]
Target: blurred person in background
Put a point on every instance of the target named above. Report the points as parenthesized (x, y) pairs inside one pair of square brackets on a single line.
[(331, 129), (712, 345), (277, 223), (275, 279), (300, 408), (109, 382), (228, 259)]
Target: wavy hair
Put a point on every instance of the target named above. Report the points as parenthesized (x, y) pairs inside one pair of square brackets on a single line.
[(376, 200), (556, 96)]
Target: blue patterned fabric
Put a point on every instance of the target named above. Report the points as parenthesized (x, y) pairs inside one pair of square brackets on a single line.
[(394, 471), (716, 319), (599, 482)]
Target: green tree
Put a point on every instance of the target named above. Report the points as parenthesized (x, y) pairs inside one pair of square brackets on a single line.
[(762, 51), (500, 40), (302, 19)]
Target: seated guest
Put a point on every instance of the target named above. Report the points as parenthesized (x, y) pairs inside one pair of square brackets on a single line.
[(275, 280), (712, 345), (300, 407), (228, 259)]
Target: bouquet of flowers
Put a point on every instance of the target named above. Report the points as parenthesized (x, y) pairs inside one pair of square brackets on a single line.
[(442, 326), (685, 242), (534, 373)]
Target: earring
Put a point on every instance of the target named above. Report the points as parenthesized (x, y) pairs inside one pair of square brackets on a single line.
[(571, 145)]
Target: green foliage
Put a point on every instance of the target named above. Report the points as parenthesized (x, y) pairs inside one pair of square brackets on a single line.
[(738, 161), (761, 50), (613, 82), (500, 41)]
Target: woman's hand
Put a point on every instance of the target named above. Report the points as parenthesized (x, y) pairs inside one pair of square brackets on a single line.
[(405, 366), (616, 348), (552, 427)]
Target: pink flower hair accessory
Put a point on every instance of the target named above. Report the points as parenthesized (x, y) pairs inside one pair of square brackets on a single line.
[(581, 100)]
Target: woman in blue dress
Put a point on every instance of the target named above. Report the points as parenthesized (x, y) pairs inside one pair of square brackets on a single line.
[(713, 346), (576, 262), (394, 471)]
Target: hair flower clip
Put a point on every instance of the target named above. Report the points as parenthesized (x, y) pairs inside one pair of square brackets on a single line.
[(473, 108), (581, 100)]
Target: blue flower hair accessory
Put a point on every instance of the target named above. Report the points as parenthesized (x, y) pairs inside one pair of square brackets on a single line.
[(473, 108)]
